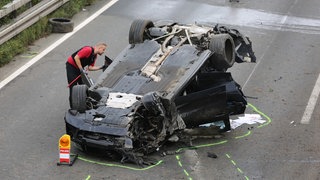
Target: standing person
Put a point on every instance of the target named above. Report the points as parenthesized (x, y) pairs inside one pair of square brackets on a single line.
[(86, 56)]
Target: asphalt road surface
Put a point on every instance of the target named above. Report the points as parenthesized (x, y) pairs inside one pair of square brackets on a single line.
[(284, 86)]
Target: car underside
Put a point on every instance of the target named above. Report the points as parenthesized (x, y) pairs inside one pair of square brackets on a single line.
[(170, 77)]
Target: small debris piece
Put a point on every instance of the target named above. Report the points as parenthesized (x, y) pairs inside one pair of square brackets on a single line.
[(163, 154), (212, 155), (173, 138), (278, 79)]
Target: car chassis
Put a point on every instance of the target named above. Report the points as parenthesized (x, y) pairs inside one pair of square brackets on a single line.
[(170, 77)]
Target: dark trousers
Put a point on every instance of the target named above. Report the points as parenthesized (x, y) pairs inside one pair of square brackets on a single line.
[(72, 74)]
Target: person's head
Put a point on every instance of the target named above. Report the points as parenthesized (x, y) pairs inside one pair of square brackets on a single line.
[(100, 48)]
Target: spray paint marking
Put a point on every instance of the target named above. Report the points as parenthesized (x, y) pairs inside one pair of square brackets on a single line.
[(236, 166), (181, 149), (88, 178), (184, 170), (203, 145), (311, 103), (120, 166), (225, 141), (245, 135), (194, 147), (262, 114)]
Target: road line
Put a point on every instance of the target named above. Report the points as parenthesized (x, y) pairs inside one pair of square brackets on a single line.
[(312, 103), (257, 64), (54, 45)]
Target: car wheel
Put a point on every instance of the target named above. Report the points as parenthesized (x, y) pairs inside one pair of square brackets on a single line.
[(79, 96), (139, 31), (61, 25), (223, 49)]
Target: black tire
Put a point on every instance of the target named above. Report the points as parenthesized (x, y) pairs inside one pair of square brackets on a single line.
[(61, 25), (79, 97), (139, 31), (222, 46)]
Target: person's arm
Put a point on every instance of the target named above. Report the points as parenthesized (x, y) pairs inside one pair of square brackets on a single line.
[(92, 66), (78, 62), (83, 53)]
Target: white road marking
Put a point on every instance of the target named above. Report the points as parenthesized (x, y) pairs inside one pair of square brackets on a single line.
[(54, 45), (301, 25), (312, 103)]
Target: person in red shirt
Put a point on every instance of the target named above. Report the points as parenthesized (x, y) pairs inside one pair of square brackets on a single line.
[(85, 56)]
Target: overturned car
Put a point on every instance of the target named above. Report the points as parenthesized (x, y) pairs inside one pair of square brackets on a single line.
[(170, 77)]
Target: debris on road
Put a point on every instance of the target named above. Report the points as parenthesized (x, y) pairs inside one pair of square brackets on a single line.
[(212, 155), (247, 119)]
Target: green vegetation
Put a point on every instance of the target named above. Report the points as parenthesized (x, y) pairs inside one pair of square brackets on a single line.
[(40, 29), (4, 2)]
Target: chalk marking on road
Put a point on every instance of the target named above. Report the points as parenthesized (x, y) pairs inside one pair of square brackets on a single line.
[(236, 166), (201, 146), (181, 149), (225, 141), (118, 165), (262, 114), (311, 103), (54, 45), (184, 170), (245, 135)]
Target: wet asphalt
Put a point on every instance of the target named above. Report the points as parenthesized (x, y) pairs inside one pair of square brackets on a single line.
[(286, 41)]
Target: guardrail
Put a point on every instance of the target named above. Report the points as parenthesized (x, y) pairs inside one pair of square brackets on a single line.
[(29, 17), (14, 5)]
